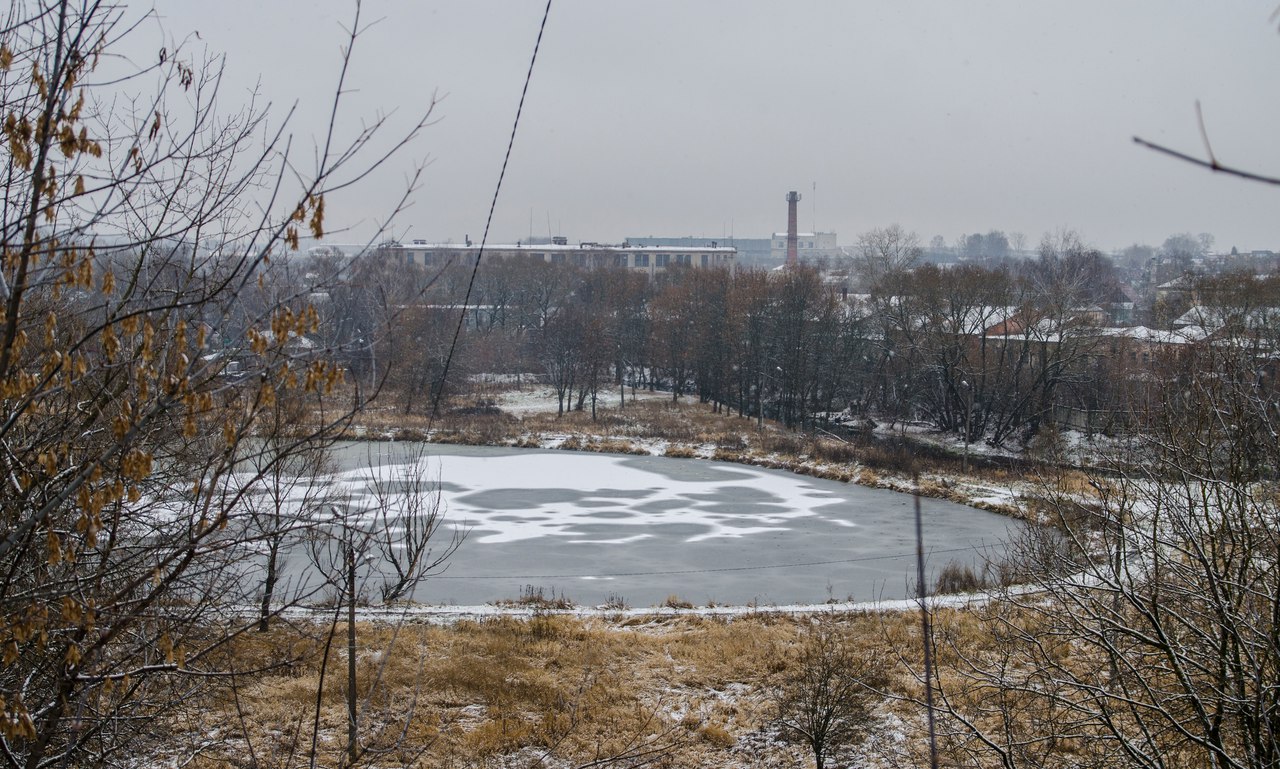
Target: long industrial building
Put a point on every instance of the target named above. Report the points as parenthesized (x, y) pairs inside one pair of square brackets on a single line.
[(651, 260), (752, 252)]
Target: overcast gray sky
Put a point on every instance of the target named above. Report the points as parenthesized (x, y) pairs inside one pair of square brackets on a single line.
[(659, 117)]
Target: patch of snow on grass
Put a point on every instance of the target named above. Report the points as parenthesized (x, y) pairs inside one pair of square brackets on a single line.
[(541, 399)]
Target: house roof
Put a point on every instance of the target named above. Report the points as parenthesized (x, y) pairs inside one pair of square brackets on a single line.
[(1184, 335), (1215, 318)]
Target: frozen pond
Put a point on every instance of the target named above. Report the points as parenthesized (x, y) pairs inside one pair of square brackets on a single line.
[(642, 528)]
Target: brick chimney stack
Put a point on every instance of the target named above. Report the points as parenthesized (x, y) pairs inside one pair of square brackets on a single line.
[(793, 238)]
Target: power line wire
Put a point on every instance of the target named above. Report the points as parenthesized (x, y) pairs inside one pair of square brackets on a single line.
[(700, 571), (493, 204)]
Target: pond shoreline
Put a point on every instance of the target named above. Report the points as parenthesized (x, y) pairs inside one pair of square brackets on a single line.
[(445, 614), (750, 524), (969, 490)]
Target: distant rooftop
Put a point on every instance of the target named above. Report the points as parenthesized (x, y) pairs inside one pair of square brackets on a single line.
[(547, 247)]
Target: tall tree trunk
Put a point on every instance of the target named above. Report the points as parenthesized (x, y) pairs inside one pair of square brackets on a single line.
[(269, 586)]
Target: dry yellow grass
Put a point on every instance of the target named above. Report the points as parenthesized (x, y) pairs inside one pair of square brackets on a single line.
[(577, 690), (555, 690), (1074, 482)]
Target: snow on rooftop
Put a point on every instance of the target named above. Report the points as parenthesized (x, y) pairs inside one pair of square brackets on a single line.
[(1184, 335), (572, 247)]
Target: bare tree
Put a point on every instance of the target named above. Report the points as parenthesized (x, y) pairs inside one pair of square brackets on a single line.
[(827, 701), (1147, 634), (409, 512), (673, 332), (561, 348), (294, 478), (136, 379), (884, 250), (384, 532)]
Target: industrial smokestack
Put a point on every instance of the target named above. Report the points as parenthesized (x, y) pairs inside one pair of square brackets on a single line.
[(793, 238)]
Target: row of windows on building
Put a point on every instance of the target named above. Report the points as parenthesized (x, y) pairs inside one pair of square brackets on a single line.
[(632, 259), (662, 260)]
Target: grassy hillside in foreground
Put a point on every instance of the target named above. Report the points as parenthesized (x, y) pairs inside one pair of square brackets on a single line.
[(556, 691)]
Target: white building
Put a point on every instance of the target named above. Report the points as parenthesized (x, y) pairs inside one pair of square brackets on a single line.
[(811, 246), (650, 260)]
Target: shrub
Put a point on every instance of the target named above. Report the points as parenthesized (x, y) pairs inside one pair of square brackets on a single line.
[(827, 699), (958, 577), (536, 598), (617, 447), (832, 451), (732, 442), (717, 735), (786, 444)]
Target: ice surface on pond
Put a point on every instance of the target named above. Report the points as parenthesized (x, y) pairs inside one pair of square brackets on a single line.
[(584, 498), (596, 525)]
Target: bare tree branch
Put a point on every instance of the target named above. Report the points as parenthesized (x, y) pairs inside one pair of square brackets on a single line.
[(1212, 164)]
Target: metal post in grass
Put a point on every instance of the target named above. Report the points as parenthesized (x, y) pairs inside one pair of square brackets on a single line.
[(926, 632), (353, 751)]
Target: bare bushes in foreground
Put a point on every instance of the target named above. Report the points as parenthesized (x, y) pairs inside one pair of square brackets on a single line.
[(1147, 635), (149, 327)]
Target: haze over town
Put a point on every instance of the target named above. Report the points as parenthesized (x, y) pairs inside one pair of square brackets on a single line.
[(666, 118)]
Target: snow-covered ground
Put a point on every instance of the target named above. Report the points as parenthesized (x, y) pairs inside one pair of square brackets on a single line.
[(1074, 446), (446, 615), (541, 399)]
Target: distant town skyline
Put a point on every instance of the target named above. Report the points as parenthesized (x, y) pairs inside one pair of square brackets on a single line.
[(664, 118)]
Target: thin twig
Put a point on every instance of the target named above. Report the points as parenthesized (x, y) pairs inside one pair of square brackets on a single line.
[(1204, 134), (1211, 164)]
